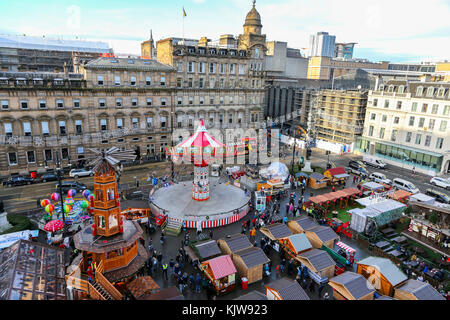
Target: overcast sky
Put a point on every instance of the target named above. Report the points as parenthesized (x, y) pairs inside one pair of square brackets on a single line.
[(392, 30)]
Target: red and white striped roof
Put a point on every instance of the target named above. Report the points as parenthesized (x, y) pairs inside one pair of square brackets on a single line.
[(345, 247), (200, 139)]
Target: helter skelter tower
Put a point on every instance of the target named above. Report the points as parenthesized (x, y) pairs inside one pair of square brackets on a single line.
[(200, 149)]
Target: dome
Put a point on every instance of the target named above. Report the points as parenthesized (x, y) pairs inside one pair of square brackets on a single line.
[(276, 170), (253, 18)]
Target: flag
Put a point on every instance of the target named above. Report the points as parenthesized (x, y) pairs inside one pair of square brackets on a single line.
[(184, 13)]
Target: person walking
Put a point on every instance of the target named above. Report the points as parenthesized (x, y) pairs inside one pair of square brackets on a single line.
[(171, 266), (159, 257), (211, 234), (164, 270), (162, 239), (282, 264), (155, 264), (176, 269), (198, 282), (252, 235), (199, 229)]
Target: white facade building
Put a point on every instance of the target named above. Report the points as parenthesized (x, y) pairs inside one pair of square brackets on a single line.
[(407, 124), (322, 45)]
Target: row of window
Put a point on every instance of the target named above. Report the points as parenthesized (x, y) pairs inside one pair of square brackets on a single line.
[(133, 82), (223, 83), (48, 156), (420, 90), (418, 138), (411, 123), (25, 105), (414, 107), (222, 68)]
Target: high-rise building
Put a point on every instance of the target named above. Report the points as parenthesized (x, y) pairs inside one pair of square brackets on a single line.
[(407, 125), (29, 54), (322, 45), (344, 50)]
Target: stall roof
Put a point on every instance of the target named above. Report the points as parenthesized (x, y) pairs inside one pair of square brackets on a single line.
[(336, 171), (399, 194), (32, 271), (387, 268), (345, 247), (318, 199), (288, 289), (306, 222), (421, 290), (343, 175), (300, 242), (319, 259), (325, 233), (142, 286), (317, 176), (171, 293), (238, 242), (253, 295), (221, 266), (208, 249), (278, 230), (334, 195), (355, 283), (252, 257), (421, 197), (301, 174), (372, 185)]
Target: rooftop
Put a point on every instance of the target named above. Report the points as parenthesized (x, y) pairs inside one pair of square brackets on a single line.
[(355, 283), (238, 242), (128, 64), (253, 257), (319, 259), (288, 289), (387, 268), (421, 290)]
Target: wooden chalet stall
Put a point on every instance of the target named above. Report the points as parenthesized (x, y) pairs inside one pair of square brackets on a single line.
[(341, 198), (322, 236), (416, 290), (336, 176), (319, 264), (351, 286), (295, 244), (285, 289), (317, 181), (222, 273), (249, 263), (274, 232), (382, 273), (301, 224), (400, 195), (142, 286), (234, 243), (205, 250)]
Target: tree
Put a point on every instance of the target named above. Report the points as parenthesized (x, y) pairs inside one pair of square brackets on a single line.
[(433, 217)]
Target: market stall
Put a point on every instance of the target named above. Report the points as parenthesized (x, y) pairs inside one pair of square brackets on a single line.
[(206, 249), (285, 289), (301, 224), (234, 243), (295, 244), (319, 264), (371, 187), (249, 263), (400, 195), (142, 286), (322, 236), (274, 232), (317, 181), (416, 290), (351, 286), (336, 176), (221, 272), (382, 273)]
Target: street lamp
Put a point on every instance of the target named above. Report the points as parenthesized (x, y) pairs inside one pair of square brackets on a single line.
[(58, 174)]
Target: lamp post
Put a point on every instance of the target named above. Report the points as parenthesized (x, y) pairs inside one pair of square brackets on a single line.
[(293, 152), (58, 174)]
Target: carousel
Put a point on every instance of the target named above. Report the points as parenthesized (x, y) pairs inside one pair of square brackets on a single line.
[(206, 201)]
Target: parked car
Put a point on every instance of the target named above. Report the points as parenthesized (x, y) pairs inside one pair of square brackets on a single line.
[(76, 173), (48, 177), (440, 182), (405, 185), (379, 177), (67, 185), (18, 181), (358, 168), (374, 162), (438, 195)]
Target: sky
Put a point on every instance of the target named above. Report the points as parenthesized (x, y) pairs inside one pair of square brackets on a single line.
[(389, 30)]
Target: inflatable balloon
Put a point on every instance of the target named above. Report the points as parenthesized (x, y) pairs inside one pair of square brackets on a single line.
[(49, 208), (44, 203), (69, 201), (55, 196), (67, 208), (84, 204), (72, 193), (86, 193)]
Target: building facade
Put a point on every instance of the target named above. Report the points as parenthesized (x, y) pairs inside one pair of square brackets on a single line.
[(114, 102), (285, 62), (344, 50), (221, 81), (321, 45), (407, 125), (36, 54)]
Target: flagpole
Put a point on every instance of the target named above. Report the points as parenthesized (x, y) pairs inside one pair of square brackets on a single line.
[(183, 23)]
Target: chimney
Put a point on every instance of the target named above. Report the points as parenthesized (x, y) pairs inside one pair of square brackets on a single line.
[(66, 70)]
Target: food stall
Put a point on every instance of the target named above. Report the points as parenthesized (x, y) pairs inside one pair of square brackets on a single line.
[(336, 176), (274, 232), (400, 195), (371, 187), (351, 286), (295, 244), (221, 272)]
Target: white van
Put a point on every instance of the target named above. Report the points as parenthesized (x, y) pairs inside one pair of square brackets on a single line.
[(405, 185), (372, 161), (379, 177)]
